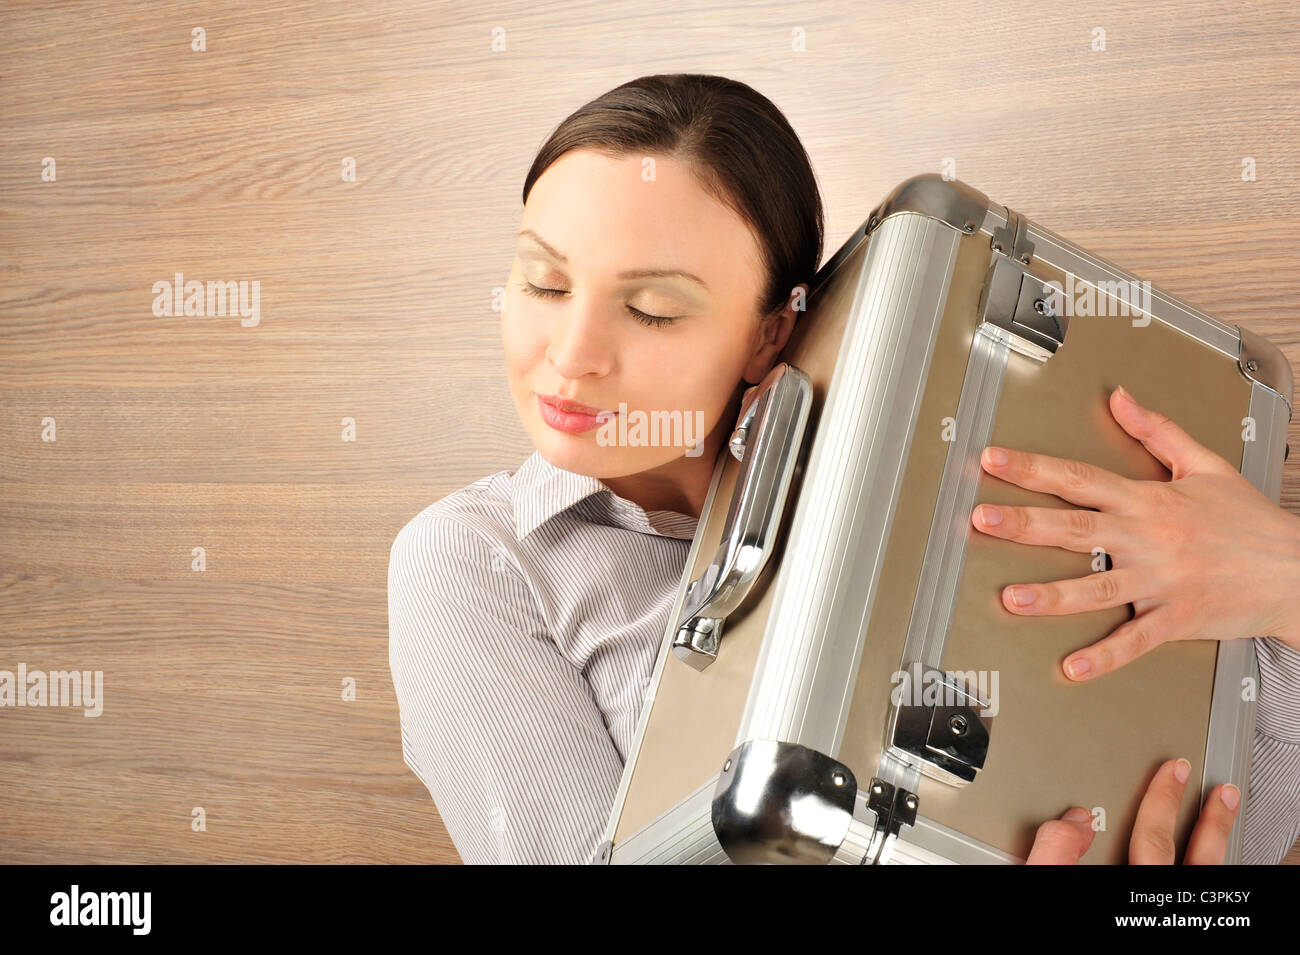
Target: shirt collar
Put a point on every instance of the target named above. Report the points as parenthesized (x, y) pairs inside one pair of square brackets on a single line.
[(539, 491)]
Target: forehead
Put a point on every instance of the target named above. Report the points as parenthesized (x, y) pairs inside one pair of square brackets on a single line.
[(609, 213)]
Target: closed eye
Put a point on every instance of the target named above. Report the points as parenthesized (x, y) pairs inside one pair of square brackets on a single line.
[(654, 321)]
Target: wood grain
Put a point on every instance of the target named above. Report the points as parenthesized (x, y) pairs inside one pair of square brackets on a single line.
[(222, 688)]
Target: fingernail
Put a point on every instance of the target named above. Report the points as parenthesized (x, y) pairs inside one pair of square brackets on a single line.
[(1123, 393), (990, 515), (1078, 667), (1230, 795), (1022, 596), (995, 456), (1077, 814), (1182, 769)]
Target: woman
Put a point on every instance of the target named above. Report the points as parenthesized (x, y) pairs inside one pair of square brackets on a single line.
[(669, 229)]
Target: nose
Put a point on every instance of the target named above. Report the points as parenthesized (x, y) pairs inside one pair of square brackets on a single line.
[(580, 342)]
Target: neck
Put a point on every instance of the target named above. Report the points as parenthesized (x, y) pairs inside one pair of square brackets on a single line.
[(682, 484)]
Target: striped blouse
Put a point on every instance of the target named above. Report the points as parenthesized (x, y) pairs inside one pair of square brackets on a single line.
[(525, 614)]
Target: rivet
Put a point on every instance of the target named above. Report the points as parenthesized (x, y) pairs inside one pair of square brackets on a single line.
[(877, 789), (727, 765), (957, 723), (838, 778), (1252, 365), (911, 801), (968, 227)]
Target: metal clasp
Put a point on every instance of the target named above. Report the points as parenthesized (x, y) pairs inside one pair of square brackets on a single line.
[(1018, 308), (937, 727), (1022, 311)]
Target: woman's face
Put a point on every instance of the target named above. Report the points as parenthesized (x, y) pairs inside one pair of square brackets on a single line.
[(653, 316)]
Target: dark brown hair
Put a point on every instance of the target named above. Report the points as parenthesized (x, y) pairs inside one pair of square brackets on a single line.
[(740, 147)]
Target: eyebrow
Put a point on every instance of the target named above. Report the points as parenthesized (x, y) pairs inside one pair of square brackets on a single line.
[(629, 274)]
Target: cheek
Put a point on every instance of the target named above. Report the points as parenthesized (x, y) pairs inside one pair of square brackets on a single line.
[(520, 335), (724, 355), (692, 375)]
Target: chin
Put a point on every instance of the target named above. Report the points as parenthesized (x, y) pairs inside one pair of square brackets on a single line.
[(582, 455)]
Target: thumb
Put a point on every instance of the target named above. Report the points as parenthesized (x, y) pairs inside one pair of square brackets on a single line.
[(1173, 447), (1062, 841)]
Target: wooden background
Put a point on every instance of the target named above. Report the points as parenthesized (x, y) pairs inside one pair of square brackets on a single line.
[(223, 689)]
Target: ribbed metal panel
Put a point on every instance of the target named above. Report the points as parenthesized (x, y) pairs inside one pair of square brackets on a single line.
[(803, 679)]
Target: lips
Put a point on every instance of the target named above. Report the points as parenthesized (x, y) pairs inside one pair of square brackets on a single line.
[(553, 412), (571, 407)]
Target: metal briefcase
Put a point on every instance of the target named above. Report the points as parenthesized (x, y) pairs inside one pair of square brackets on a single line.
[(838, 680)]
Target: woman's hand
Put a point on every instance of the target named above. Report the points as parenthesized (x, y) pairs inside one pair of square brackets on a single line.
[(1204, 555), (1064, 841)]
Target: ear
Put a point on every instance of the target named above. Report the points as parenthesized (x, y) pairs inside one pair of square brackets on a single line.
[(772, 334)]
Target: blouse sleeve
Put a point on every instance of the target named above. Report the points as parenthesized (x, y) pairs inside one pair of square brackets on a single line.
[(496, 722), (1272, 806)]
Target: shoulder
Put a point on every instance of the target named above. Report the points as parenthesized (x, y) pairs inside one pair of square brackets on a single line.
[(452, 584), (1278, 710), (460, 551), (474, 519)]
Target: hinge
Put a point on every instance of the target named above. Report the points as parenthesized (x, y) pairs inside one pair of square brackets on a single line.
[(1012, 240), (894, 807)]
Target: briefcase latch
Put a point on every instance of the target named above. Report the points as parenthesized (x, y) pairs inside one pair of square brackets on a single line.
[(768, 442), (938, 727), (1022, 311)]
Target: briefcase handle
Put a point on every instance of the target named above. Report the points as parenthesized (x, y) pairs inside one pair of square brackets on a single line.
[(767, 441)]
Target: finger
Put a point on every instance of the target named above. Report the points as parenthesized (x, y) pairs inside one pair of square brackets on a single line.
[(1074, 481), (1122, 645), (1173, 447), (1208, 844), (1062, 841), (1072, 528), (1099, 591), (1152, 842)]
